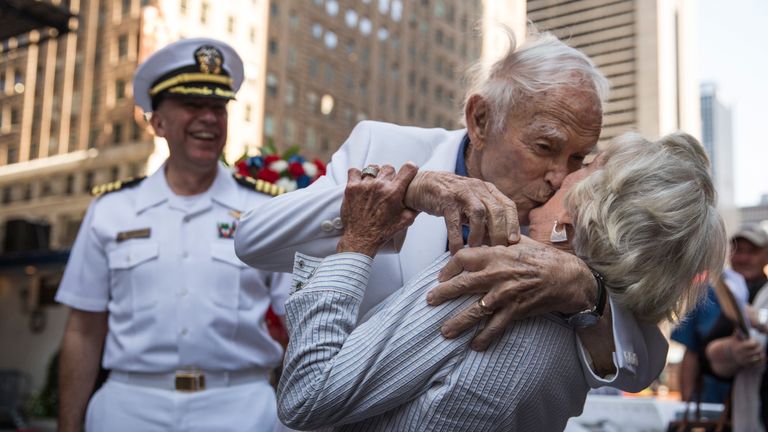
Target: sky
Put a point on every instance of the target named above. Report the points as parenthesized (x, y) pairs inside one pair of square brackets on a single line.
[(733, 53)]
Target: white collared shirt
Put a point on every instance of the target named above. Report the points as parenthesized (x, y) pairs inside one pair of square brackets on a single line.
[(177, 295)]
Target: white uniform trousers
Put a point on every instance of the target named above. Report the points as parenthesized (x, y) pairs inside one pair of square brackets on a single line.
[(118, 407)]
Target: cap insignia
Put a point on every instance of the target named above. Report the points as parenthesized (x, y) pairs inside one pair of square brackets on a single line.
[(209, 59)]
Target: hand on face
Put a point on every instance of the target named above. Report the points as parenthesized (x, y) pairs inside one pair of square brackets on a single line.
[(373, 209), (460, 200), (518, 281)]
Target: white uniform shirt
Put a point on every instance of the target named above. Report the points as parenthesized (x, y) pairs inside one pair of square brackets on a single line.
[(178, 295)]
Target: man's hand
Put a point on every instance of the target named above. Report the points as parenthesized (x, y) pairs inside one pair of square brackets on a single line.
[(373, 209), (459, 200), (518, 281)]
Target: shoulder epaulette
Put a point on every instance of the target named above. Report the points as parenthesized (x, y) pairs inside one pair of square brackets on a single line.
[(115, 186), (258, 185)]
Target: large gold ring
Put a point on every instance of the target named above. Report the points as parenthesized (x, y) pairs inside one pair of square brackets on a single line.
[(370, 170), (484, 309)]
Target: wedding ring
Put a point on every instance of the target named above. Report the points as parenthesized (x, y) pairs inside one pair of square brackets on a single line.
[(484, 309), (370, 170)]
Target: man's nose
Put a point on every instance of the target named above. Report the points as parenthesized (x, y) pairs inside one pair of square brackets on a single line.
[(555, 176), (207, 114)]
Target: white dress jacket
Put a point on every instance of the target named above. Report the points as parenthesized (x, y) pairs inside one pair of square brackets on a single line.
[(308, 221)]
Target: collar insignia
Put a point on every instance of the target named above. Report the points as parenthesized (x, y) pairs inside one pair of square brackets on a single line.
[(209, 59)]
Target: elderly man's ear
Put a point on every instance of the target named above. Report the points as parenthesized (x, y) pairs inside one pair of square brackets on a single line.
[(478, 120)]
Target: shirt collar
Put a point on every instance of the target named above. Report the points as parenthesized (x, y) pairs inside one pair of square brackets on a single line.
[(155, 190), (461, 163)]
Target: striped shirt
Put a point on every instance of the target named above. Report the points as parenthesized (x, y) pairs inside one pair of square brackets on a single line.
[(395, 372)]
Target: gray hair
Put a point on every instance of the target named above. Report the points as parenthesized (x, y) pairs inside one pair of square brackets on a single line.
[(542, 63), (647, 221)]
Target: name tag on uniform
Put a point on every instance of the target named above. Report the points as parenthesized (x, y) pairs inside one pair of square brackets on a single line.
[(135, 234)]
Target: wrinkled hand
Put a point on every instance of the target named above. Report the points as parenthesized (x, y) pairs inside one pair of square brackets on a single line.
[(517, 281), (462, 199), (747, 352), (373, 210)]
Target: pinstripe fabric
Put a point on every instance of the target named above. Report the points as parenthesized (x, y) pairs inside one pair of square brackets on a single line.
[(395, 372)]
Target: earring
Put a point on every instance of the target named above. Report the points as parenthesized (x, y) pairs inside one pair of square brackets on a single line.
[(558, 236)]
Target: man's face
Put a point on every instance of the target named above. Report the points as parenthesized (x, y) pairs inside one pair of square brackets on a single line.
[(748, 259), (545, 138), (543, 219), (195, 128)]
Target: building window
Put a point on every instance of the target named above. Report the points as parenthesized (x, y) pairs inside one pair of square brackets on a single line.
[(127, 7), (122, 47), (120, 89), (365, 26), (332, 7), (383, 6), (311, 141), (293, 20), (135, 131), (289, 134), (330, 40), (14, 116), (247, 115), (269, 125), (397, 10), (272, 46), (274, 9), (231, 24), (12, 155), (314, 67), (114, 173), (183, 6), (292, 56), (204, 13), (252, 34), (117, 133), (88, 183), (7, 195), (317, 31), (350, 18), (272, 84), (290, 94), (69, 185)]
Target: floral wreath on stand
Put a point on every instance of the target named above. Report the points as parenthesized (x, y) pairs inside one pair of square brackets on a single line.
[(290, 172)]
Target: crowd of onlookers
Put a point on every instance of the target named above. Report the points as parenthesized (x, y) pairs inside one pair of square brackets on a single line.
[(725, 358)]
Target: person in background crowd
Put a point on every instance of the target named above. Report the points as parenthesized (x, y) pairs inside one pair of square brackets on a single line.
[(731, 353), (626, 214), (696, 383), (157, 294), (531, 119)]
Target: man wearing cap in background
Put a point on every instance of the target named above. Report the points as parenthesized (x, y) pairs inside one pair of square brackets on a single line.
[(732, 354), (153, 279)]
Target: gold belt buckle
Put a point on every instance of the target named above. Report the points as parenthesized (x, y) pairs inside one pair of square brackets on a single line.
[(190, 380)]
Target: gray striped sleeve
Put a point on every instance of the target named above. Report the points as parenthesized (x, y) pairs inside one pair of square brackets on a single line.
[(335, 374)]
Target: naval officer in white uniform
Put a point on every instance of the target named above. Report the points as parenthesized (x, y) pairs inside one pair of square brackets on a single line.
[(153, 279), (530, 121)]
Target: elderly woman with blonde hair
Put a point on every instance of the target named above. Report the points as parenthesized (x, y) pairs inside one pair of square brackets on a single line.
[(642, 216)]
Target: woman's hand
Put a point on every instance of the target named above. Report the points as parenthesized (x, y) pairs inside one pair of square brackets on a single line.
[(373, 210)]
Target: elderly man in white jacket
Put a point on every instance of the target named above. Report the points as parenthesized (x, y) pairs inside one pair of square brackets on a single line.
[(531, 120)]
